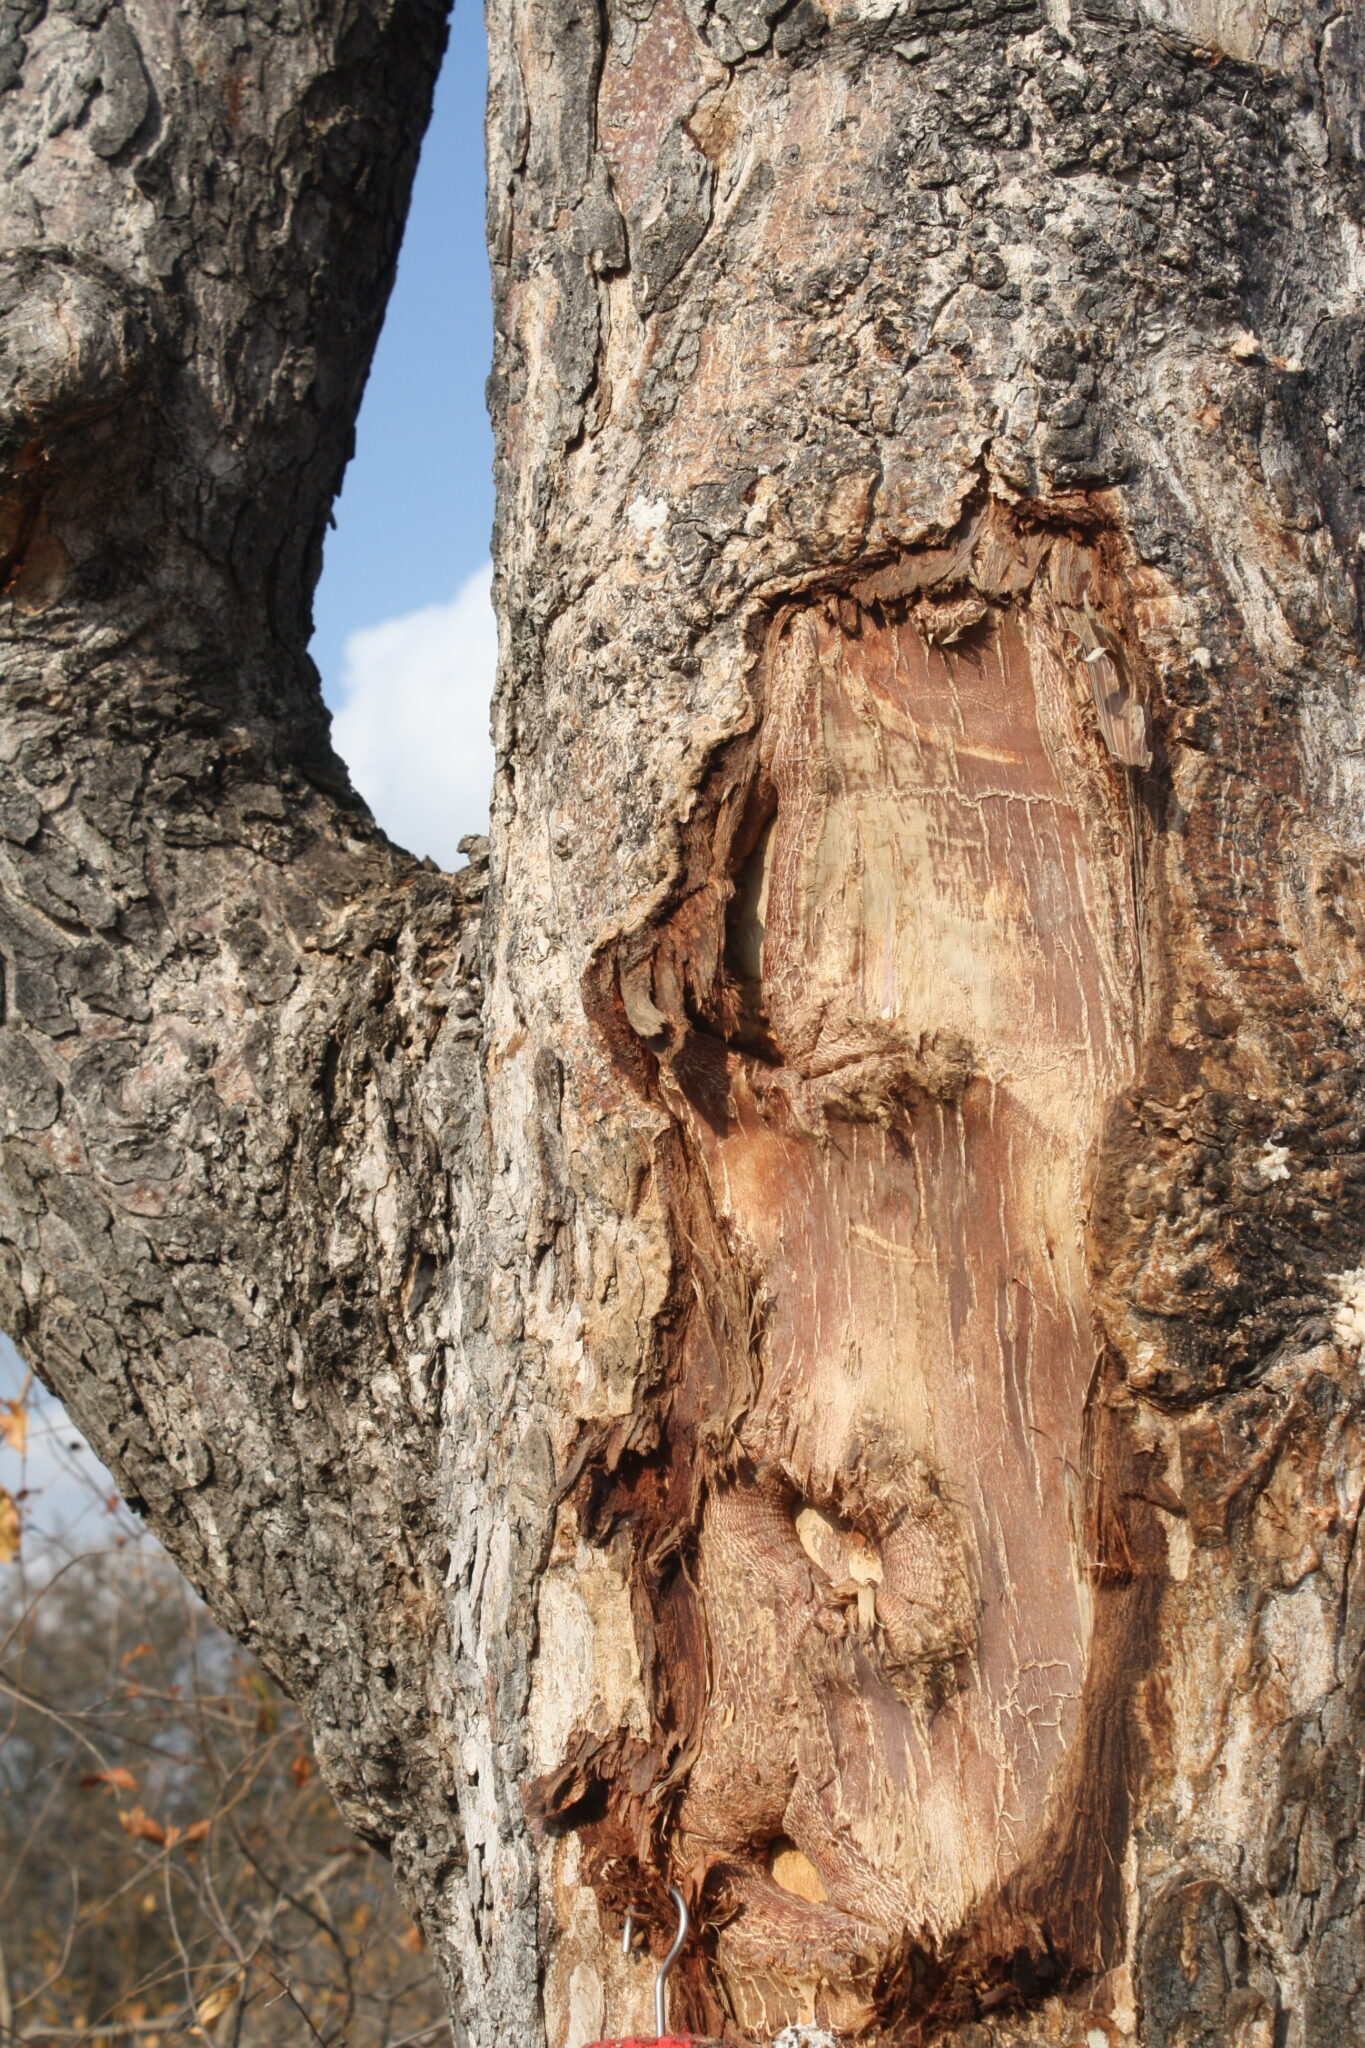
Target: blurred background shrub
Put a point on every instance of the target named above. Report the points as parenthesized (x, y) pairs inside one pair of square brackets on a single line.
[(171, 1866)]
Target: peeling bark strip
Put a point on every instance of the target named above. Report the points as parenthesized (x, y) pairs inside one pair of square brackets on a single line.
[(796, 1330)]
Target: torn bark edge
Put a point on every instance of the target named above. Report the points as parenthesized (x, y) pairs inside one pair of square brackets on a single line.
[(657, 995)]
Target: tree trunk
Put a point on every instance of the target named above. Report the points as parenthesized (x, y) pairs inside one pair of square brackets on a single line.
[(806, 1344)]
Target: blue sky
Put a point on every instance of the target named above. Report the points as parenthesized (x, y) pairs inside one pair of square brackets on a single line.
[(403, 633), (401, 626)]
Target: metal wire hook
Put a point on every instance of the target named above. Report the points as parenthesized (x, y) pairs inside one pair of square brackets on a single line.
[(661, 1980)]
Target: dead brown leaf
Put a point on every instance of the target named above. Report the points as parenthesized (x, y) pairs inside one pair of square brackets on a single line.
[(216, 2002), (9, 1528), (138, 1823), (117, 1778), (14, 1425)]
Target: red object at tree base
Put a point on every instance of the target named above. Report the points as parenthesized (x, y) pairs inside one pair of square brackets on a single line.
[(662, 2038), (659, 2041)]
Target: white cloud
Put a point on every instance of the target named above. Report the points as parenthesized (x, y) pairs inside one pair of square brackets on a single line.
[(412, 725)]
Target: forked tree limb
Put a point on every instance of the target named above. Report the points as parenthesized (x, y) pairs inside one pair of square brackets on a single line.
[(806, 1342)]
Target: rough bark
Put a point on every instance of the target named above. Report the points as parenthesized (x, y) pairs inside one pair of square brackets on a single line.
[(238, 1026), (809, 1345)]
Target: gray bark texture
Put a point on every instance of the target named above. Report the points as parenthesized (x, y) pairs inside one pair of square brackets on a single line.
[(796, 1330)]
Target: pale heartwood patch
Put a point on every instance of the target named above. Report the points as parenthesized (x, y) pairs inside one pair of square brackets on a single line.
[(900, 1539), (889, 1013)]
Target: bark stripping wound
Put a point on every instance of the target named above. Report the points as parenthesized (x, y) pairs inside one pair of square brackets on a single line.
[(890, 1022)]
